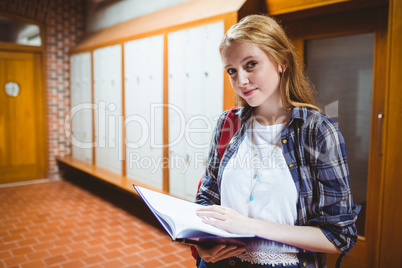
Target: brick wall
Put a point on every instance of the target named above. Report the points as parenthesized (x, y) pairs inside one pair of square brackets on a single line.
[(64, 28)]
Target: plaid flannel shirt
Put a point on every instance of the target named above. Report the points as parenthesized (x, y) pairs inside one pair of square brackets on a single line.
[(315, 153)]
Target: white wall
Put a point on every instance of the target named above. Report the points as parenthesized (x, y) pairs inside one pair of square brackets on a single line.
[(105, 13)]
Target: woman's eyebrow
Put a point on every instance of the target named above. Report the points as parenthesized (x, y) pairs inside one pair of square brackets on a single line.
[(243, 60), (246, 58)]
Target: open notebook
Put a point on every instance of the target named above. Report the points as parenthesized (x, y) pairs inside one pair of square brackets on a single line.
[(179, 219)]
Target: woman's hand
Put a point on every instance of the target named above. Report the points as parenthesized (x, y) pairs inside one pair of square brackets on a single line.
[(219, 252), (225, 218)]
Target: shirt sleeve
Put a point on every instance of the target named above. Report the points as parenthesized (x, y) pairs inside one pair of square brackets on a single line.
[(336, 213), (208, 193)]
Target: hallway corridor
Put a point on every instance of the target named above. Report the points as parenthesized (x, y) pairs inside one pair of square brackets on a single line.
[(60, 224)]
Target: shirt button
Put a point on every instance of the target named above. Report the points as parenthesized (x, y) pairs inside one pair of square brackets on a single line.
[(232, 262), (291, 165), (285, 141), (304, 264)]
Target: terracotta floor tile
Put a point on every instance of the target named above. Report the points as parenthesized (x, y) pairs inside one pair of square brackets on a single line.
[(133, 259), (59, 224), (59, 250), (41, 246), (34, 264), (109, 255), (150, 254), (114, 237), (80, 237), (114, 245), (38, 255), (93, 259), (5, 255), (17, 231), (76, 255), (15, 260), (32, 234), (12, 238), (73, 264), (8, 246), (55, 259), (26, 242), (95, 250), (47, 237), (131, 241), (133, 249), (62, 242), (96, 241), (79, 245), (152, 263), (169, 259), (169, 248), (113, 264)]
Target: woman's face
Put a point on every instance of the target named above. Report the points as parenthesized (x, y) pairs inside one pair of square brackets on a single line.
[(253, 76)]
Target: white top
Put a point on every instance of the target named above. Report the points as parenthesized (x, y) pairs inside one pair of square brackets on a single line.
[(274, 192)]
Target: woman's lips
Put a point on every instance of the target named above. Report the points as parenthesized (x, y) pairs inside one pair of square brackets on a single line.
[(248, 92)]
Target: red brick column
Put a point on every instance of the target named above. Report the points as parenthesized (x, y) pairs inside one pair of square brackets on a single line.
[(64, 27)]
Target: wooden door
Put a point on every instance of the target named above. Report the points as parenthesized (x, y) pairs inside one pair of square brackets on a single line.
[(23, 153), (345, 58)]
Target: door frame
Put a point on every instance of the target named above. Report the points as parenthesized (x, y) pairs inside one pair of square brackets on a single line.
[(41, 51), (365, 20)]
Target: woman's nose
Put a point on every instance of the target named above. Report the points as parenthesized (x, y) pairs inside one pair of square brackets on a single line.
[(243, 78)]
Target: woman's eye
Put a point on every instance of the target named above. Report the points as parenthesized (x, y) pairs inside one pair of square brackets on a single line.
[(251, 64), (231, 71)]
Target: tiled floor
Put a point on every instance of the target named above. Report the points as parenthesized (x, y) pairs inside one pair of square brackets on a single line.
[(59, 224)]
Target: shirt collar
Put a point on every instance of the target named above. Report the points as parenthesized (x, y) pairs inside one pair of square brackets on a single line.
[(298, 113), (301, 113)]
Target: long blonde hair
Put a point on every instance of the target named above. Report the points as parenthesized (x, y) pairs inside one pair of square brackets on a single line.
[(269, 36)]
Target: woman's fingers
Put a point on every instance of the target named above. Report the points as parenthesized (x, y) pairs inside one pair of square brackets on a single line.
[(216, 212), (227, 252), (208, 254), (219, 252)]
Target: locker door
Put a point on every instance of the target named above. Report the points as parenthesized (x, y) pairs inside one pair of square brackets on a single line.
[(177, 79), (108, 97), (81, 100), (144, 88), (195, 112), (114, 111), (75, 91), (100, 113), (213, 69), (86, 82), (196, 90), (155, 97)]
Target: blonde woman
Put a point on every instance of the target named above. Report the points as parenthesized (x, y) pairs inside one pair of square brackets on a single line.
[(284, 175)]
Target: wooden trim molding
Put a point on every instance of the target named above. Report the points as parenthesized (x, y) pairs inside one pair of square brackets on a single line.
[(165, 174), (102, 173), (390, 246), (180, 15)]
